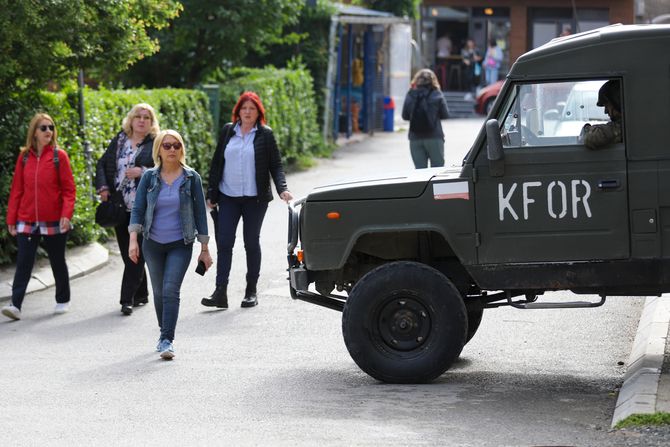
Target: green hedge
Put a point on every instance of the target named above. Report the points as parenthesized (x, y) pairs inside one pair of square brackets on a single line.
[(290, 108), (183, 110)]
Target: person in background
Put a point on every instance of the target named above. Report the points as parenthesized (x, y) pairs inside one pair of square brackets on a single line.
[(246, 157), (424, 107), (127, 157), (170, 212), (40, 208), (492, 61), (472, 61), (601, 135), (444, 46)]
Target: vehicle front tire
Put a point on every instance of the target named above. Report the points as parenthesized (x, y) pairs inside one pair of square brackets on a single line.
[(474, 320), (404, 322)]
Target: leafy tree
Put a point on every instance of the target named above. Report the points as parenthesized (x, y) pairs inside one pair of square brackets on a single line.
[(210, 34), (308, 43), (43, 40)]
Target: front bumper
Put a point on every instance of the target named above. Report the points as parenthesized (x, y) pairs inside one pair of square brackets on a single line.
[(298, 275)]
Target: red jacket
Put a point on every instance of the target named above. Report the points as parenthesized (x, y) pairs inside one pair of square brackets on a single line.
[(40, 192)]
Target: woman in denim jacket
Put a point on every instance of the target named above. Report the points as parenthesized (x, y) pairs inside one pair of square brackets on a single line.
[(170, 214)]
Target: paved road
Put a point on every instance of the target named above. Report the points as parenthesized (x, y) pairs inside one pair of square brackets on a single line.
[(279, 374)]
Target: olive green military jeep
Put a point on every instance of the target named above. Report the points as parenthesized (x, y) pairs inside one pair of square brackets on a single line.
[(413, 260)]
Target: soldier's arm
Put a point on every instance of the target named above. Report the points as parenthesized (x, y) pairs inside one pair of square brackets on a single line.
[(599, 136)]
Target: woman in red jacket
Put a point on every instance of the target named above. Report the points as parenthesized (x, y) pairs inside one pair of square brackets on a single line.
[(41, 203)]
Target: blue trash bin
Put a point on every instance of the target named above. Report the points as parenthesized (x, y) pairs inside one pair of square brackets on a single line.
[(389, 108)]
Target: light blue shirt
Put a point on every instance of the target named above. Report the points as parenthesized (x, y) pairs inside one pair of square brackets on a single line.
[(166, 226), (239, 170)]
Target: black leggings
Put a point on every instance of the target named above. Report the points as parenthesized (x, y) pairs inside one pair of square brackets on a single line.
[(134, 283), (25, 260)]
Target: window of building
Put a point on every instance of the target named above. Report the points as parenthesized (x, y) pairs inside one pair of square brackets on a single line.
[(548, 23)]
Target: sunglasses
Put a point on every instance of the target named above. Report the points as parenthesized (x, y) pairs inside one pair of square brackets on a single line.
[(167, 146), (44, 127)]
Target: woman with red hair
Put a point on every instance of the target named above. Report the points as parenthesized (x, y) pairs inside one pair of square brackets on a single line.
[(246, 157)]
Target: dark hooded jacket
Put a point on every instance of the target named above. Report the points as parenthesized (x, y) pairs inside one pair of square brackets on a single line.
[(437, 108)]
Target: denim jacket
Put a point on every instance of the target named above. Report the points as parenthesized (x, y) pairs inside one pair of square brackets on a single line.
[(192, 208)]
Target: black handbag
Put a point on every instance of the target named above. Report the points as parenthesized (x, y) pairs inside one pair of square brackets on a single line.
[(112, 212)]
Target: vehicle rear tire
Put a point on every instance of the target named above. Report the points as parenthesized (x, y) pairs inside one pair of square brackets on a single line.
[(404, 322)]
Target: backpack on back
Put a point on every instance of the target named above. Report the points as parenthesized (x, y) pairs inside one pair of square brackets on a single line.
[(56, 160), (421, 121)]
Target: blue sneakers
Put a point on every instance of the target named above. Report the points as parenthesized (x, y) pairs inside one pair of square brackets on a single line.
[(166, 349)]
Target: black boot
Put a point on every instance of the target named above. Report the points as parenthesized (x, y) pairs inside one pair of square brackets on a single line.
[(250, 299), (218, 299)]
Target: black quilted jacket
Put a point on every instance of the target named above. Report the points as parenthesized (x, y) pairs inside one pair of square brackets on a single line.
[(268, 163)]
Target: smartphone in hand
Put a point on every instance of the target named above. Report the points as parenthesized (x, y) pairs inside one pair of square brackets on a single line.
[(201, 269)]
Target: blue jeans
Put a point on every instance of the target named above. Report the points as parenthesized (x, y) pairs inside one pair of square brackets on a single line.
[(491, 75), (25, 260), (252, 211), (167, 267)]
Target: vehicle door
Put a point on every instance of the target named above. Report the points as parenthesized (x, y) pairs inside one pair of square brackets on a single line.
[(553, 199)]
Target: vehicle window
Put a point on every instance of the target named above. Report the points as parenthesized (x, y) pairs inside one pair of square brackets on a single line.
[(550, 113)]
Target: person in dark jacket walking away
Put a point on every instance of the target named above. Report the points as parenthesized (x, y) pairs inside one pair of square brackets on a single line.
[(127, 157), (40, 207), (424, 107), (239, 184)]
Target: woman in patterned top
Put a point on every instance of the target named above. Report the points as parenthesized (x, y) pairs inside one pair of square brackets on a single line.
[(41, 203), (127, 157)]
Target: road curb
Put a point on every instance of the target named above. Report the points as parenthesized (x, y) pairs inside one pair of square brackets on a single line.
[(639, 392), (80, 261)]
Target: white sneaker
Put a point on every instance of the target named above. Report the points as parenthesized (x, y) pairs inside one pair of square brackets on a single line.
[(12, 312), (61, 308)]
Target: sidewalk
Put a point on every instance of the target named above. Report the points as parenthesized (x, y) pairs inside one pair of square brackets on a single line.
[(80, 261), (646, 387)]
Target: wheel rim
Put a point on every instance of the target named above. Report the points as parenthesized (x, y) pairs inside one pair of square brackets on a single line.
[(404, 323)]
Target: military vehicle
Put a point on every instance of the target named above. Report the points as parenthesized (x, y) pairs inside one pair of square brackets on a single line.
[(413, 260)]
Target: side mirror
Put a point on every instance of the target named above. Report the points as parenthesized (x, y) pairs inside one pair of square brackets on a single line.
[(494, 148)]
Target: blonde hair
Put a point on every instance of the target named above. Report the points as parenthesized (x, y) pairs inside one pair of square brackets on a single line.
[(32, 128), (426, 78), (127, 124), (159, 141)]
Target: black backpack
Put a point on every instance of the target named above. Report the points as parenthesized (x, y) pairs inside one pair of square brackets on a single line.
[(56, 160), (421, 121)]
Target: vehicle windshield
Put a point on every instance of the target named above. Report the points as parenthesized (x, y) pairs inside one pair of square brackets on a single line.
[(550, 113)]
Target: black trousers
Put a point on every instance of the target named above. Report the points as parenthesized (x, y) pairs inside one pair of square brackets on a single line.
[(25, 260), (134, 283), (252, 212)]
